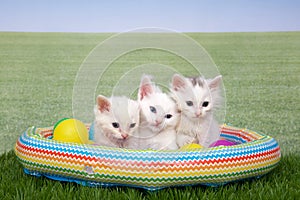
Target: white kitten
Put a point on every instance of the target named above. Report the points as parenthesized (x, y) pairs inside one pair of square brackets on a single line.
[(196, 99), (159, 118), (116, 120)]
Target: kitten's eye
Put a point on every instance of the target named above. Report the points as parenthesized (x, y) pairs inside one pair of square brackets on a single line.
[(189, 103), (152, 109), (115, 124), (132, 125), (205, 104), (168, 116)]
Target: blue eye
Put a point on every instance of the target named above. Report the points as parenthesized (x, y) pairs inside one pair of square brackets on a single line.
[(189, 103), (152, 109), (115, 124), (132, 125)]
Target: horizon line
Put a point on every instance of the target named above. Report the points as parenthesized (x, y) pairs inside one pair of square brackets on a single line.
[(114, 32)]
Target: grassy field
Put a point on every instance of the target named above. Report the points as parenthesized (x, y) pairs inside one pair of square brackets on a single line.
[(261, 76)]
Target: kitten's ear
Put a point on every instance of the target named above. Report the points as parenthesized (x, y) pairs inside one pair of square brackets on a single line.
[(215, 83), (103, 104), (146, 87), (178, 82)]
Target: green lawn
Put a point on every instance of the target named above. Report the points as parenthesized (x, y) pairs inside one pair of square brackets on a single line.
[(261, 74)]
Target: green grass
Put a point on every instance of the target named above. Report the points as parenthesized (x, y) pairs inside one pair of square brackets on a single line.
[(261, 76)]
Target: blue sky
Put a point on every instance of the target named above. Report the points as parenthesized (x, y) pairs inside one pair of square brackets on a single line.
[(119, 16)]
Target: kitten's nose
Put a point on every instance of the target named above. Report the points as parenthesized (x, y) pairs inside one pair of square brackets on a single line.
[(158, 122), (124, 135), (198, 113)]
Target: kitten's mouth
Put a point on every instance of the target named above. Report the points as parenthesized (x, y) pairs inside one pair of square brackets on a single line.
[(121, 139), (197, 117), (156, 127)]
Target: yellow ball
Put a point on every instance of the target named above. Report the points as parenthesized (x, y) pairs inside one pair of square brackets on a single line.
[(191, 146), (71, 130)]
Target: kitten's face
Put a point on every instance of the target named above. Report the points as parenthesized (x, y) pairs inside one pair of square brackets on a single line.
[(118, 117), (158, 110), (195, 97)]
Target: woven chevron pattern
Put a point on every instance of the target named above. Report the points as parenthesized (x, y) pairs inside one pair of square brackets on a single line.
[(255, 155)]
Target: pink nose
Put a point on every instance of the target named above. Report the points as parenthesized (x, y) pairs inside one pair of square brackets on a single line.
[(124, 135), (158, 122), (198, 113)]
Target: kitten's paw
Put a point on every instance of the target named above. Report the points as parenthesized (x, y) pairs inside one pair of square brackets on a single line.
[(185, 139), (190, 141)]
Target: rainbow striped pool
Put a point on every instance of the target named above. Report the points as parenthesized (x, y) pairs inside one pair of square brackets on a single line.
[(255, 155)]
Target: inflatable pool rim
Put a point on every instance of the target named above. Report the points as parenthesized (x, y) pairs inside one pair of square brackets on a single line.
[(255, 155)]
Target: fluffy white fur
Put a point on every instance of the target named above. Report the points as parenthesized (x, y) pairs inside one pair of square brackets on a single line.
[(196, 99), (116, 120), (159, 117)]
